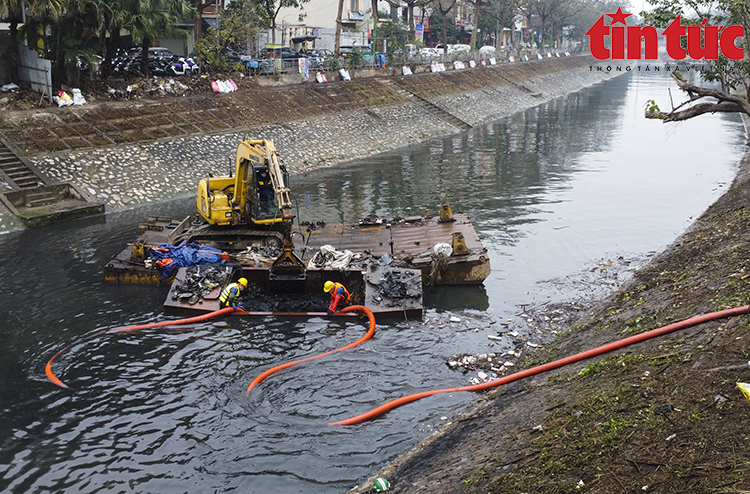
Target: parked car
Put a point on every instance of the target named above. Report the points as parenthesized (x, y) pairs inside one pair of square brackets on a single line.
[(160, 53), (318, 56), (366, 52), (459, 48), (453, 48), (233, 57), (430, 52), (289, 53), (320, 52)]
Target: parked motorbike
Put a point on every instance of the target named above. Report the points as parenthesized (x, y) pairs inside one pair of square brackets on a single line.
[(184, 66)]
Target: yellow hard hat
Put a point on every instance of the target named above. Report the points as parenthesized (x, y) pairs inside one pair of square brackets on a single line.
[(328, 286), (242, 281)]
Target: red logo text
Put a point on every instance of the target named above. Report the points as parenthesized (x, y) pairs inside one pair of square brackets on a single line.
[(629, 42)]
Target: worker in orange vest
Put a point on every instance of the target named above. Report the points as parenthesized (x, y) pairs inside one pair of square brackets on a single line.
[(339, 295)]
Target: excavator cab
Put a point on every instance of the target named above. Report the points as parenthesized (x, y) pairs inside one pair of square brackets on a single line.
[(261, 195)]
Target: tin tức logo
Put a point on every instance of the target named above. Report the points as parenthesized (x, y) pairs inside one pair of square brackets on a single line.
[(627, 42)]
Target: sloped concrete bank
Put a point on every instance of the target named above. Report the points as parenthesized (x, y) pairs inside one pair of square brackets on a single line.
[(313, 125), (542, 434)]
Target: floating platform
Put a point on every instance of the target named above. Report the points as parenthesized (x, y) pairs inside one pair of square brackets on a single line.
[(390, 264), (387, 291)]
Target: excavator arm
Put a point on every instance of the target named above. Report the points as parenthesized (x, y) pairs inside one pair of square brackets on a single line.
[(281, 192), (287, 270), (225, 201)]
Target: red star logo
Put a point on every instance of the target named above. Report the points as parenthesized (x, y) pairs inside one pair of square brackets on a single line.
[(618, 16)]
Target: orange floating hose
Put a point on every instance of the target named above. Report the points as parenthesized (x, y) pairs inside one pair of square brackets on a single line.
[(189, 320), (550, 365), (366, 337)]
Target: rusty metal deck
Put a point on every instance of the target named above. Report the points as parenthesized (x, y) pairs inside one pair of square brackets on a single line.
[(410, 242), (380, 304), (404, 248)]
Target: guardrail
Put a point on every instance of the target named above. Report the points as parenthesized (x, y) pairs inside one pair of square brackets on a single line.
[(261, 67)]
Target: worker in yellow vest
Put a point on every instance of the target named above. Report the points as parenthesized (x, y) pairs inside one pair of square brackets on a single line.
[(339, 295), (230, 296)]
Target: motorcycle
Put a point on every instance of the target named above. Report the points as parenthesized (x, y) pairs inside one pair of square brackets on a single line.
[(184, 66)]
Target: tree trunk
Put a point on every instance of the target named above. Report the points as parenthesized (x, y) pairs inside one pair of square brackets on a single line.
[(375, 21), (445, 35), (112, 43), (198, 27), (337, 40), (476, 22), (412, 24), (145, 45), (13, 50)]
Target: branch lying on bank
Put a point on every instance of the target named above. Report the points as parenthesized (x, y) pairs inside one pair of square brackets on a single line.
[(726, 103)]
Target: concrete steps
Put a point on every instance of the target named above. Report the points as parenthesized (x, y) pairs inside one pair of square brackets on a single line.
[(15, 171), (33, 198)]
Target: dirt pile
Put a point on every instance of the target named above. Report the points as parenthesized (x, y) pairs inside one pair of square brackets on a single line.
[(155, 88)]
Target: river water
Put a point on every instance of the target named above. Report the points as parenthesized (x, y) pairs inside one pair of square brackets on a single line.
[(552, 190)]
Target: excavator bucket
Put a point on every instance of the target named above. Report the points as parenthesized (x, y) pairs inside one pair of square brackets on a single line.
[(288, 273)]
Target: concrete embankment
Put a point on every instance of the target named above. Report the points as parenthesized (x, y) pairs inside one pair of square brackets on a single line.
[(130, 154)]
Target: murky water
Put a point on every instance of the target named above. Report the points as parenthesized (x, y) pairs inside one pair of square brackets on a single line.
[(164, 410)]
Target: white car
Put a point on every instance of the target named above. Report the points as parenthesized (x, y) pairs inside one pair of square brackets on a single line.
[(487, 50), (430, 52), (458, 48)]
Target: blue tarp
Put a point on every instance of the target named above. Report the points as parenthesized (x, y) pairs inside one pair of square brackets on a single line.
[(170, 257)]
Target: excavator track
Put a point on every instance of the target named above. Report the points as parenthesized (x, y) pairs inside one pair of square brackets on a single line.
[(234, 239)]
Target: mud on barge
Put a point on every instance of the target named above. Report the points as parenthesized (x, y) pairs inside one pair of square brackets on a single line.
[(384, 263)]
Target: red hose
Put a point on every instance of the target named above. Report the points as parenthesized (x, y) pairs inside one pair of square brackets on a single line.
[(189, 320), (366, 337), (550, 365)]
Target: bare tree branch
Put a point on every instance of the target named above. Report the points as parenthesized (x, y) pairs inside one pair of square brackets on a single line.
[(725, 103)]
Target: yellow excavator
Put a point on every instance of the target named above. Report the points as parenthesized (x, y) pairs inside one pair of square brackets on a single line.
[(235, 216), (234, 200)]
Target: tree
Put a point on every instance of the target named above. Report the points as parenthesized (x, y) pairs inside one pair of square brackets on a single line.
[(590, 13), (200, 6), (396, 33), (503, 11), (731, 74), (75, 41), (148, 19), (237, 26), (271, 10), (13, 11), (410, 4), (477, 5), (552, 15), (443, 7)]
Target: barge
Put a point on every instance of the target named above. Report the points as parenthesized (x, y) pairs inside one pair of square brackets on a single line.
[(384, 263), (402, 249)]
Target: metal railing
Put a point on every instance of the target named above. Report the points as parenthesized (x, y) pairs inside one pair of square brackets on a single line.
[(261, 67)]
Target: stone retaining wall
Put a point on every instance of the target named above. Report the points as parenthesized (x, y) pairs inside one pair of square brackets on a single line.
[(128, 175)]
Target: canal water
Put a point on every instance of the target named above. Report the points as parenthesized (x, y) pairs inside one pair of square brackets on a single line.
[(552, 191)]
